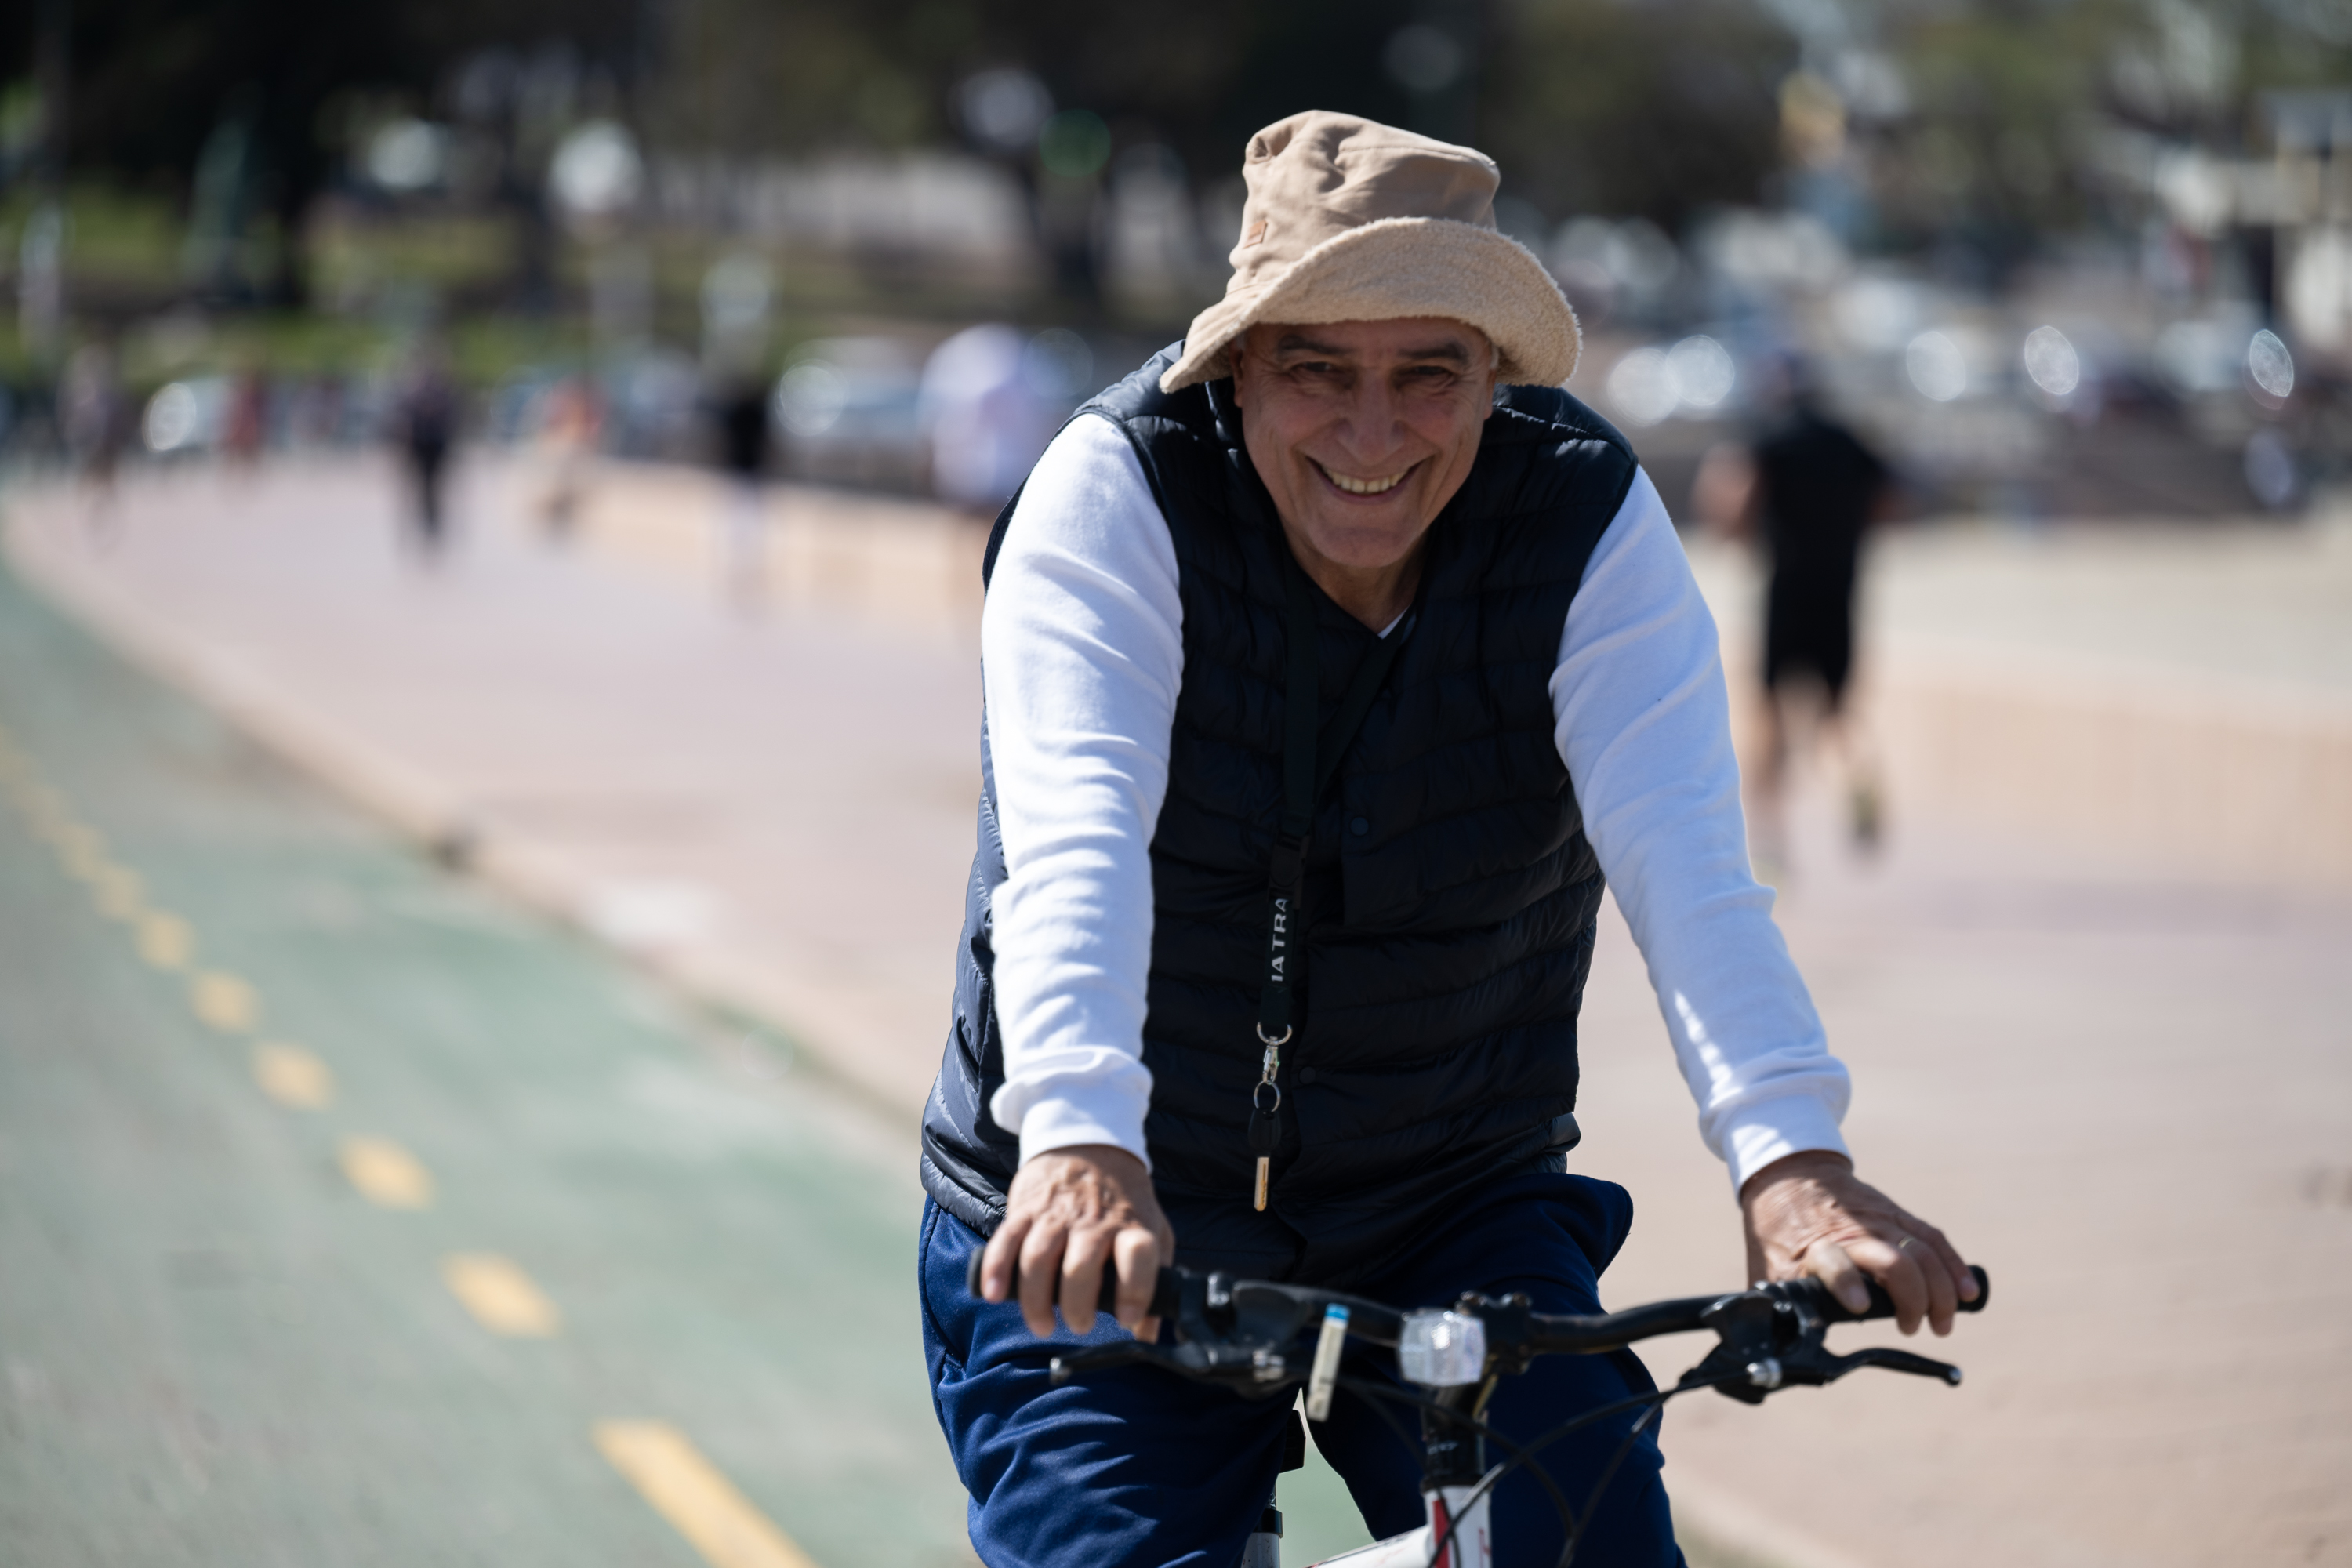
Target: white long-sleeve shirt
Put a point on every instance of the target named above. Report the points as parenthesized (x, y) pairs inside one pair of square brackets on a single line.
[(1083, 652)]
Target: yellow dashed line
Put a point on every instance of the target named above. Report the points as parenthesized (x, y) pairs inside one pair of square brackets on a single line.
[(164, 940), (702, 1504), (223, 1002), (500, 1295), (667, 1469), (119, 893), (387, 1174), (83, 852), (293, 1077), (384, 1171)]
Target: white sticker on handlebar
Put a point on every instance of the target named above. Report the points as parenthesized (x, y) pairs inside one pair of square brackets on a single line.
[(1327, 1346)]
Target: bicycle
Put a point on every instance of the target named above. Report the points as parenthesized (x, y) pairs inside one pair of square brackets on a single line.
[(1261, 1339)]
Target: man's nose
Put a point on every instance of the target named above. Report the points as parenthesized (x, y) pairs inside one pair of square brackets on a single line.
[(1373, 426)]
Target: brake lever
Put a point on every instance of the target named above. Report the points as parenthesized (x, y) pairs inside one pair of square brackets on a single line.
[(1765, 1344), (1893, 1360)]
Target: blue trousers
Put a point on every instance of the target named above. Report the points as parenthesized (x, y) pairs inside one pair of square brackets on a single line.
[(1136, 1467)]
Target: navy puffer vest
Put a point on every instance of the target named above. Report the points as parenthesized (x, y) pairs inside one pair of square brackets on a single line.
[(1450, 895)]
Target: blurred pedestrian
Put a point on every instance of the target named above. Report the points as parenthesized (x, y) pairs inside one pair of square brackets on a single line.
[(571, 419), (1809, 493), (94, 418), (246, 426), (426, 422), (740, 415), (986, 416)]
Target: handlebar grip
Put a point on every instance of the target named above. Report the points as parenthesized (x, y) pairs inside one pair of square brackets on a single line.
[(1882, 1305), (1164, 1291)]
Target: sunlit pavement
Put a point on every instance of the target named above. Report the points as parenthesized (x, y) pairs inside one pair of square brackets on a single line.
[(2123, 1089)]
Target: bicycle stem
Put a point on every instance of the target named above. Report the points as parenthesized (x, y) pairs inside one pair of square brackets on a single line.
[(1455, 1449)]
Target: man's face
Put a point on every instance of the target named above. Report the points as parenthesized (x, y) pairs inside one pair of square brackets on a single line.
[(1362, 430)]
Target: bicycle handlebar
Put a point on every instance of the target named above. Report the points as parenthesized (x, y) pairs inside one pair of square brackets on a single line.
[(1882, 1305), (1609, 1330), (1550, 1333)]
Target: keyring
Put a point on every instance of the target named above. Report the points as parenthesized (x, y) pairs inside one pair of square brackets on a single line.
[(1265, 1038), (1265, 1110)]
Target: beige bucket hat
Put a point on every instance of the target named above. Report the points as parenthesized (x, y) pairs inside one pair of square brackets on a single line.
[(1349, 220)]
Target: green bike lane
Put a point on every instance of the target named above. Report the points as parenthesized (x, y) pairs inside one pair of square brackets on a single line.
[(218, 1350)]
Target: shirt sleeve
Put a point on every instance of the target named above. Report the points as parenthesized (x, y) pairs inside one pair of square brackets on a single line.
[(1082, 654), (1643, 725)]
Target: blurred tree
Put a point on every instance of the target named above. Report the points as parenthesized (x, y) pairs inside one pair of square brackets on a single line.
[(1205, 77), (244, 87), (2020, 113), (746, 77), (1658, 109), (2007, 108), (756, 75), (1997, 147)]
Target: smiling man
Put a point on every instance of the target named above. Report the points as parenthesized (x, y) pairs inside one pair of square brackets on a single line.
[(1333, 661)]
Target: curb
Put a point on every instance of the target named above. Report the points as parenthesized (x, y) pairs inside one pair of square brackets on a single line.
[(433, 817)]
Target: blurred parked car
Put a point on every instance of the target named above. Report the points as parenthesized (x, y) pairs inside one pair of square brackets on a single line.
[(186, 416), (848, 411), (653, 404)]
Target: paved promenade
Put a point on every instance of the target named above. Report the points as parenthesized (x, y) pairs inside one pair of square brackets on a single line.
[(2118, 1077)]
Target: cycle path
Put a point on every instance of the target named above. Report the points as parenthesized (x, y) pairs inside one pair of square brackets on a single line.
[(353, 1215)]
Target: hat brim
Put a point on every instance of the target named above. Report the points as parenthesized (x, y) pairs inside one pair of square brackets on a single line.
[(1397, 268)]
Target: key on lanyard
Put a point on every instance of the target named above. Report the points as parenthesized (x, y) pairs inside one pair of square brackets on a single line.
[(1266, 1122)]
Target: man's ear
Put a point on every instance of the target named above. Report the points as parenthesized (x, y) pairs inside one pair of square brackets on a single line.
[(1234, 359)]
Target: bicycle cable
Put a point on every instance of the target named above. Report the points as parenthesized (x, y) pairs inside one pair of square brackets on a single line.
[(1523, 1454), (1608, 1474), (1526, 1456), (1422, 1402), (1395, 1426)]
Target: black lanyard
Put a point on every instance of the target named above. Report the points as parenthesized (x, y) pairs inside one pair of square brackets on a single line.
[(1309, 762)]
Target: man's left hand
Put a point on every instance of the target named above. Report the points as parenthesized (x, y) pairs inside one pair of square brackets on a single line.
[(1807, 1214)]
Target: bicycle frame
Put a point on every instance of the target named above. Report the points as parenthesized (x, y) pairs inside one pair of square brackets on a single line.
[(1472, 1545), (1454, 1499)]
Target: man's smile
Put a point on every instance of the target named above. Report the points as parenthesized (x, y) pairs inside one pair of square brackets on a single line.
[(1356, 486)]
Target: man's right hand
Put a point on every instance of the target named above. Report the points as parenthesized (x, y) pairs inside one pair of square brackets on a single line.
[(1069, 1212)]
